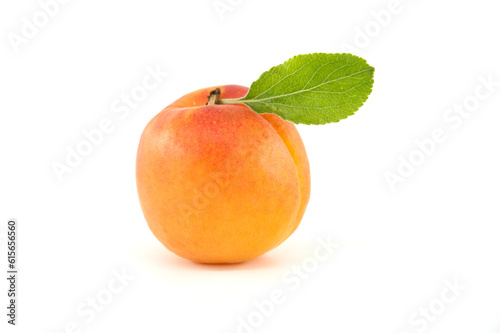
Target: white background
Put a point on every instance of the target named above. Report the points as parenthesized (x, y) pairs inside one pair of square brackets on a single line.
[(397, 248)]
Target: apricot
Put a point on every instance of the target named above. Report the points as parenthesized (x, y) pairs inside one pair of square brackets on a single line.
[(221, 183)]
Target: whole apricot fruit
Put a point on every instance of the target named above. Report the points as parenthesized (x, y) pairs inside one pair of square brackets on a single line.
[(221, 183)]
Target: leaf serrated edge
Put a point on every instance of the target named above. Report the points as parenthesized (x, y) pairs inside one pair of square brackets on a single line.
[(363, 61)]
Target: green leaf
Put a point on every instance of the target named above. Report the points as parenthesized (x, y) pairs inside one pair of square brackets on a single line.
[(314, 88)]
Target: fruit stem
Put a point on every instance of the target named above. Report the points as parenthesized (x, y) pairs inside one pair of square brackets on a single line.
[(214, 97)]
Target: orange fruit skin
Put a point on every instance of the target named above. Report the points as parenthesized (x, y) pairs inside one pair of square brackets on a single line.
[(221, 183)]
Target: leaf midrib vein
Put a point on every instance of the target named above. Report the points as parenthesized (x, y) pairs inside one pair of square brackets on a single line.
[(304, 90)]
